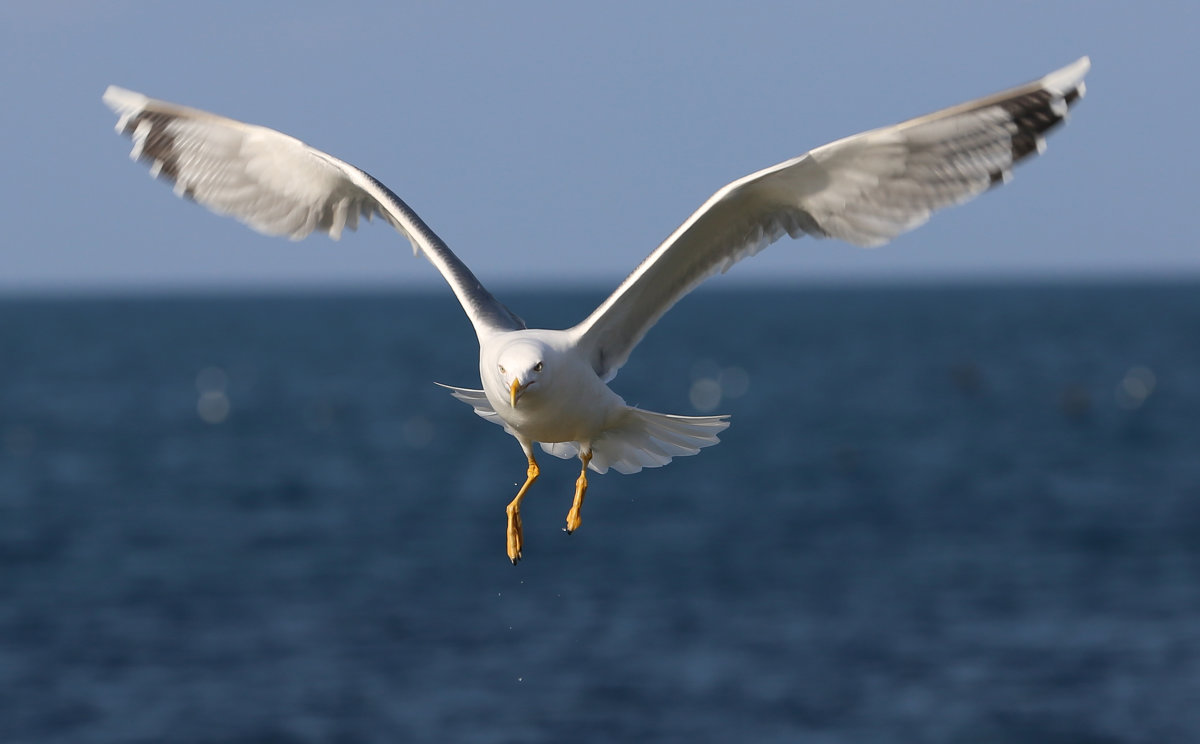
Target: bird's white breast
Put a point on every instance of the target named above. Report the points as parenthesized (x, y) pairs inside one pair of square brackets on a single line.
[(569, 403)]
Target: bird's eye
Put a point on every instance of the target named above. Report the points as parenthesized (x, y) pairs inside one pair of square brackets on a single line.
[(502, 369), (537, 367)]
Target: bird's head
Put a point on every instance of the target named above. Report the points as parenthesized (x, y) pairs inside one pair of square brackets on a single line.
[(522, 367)]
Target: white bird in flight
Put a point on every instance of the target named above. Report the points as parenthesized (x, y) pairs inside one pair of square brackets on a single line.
[(551, 386)]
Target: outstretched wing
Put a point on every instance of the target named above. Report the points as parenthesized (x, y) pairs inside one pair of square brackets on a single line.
[(278, 185), (865, 189)]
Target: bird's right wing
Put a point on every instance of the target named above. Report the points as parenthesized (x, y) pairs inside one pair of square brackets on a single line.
[(865, 189), (278, 185)]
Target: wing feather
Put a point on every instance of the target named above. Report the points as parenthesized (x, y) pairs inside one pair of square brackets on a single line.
[(278, 185), (865, 189)]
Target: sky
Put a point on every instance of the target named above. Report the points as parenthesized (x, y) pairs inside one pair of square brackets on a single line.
[(556, 144)]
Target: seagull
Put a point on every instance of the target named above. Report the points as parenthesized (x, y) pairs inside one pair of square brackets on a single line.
[(551, 386)]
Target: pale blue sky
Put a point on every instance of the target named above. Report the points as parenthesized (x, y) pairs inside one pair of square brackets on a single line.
[(558, 143)]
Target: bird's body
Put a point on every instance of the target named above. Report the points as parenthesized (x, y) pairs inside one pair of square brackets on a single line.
[(551, 386), (561, 400), (542, 413)]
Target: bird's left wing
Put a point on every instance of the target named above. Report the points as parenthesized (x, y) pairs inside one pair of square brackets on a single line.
[(278, 185), (865, 189)]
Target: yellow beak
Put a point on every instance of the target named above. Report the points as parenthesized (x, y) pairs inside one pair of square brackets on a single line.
[(512, 392)]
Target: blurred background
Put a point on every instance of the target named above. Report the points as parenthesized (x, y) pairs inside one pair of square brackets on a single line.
[(958, 502)]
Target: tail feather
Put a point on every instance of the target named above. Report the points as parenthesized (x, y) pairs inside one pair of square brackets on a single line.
[(646, 440), (642, 439)]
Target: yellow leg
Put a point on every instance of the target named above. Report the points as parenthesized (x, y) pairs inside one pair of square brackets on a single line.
[(573, 518), (515, 537)]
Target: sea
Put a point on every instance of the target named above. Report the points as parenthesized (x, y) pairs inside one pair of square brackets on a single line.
[(960, 513)]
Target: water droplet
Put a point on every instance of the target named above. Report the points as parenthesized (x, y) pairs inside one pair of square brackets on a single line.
[(213, 407), (1135, 387), (705, 394)]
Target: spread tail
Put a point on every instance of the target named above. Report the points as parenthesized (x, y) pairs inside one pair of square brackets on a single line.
[(641, 439), (644, 439)]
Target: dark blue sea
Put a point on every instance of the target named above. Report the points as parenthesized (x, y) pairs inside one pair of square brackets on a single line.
[(961, 514)]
